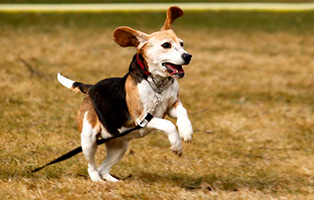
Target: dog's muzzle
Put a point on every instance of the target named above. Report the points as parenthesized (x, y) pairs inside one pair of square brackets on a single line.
[(175, 71)]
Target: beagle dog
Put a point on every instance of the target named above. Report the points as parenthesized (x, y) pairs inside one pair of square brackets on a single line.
[(114, 105)]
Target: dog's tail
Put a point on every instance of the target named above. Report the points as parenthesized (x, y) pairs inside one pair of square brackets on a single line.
[(72, 85)]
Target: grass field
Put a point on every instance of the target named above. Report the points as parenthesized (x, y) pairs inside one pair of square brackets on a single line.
[(249, 91)]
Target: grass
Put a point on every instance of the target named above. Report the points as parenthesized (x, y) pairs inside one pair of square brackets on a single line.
[(249, 93)]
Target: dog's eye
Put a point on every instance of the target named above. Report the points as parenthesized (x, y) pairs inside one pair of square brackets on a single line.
[(181, 44), (166, 45)]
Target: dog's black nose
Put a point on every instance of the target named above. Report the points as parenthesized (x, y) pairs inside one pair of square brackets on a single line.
[(187, 58)]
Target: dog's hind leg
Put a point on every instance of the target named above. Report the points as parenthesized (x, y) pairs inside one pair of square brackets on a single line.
[(89, 147), (116, 149)]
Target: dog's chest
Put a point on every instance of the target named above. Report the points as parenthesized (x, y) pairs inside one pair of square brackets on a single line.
[(152, 101)]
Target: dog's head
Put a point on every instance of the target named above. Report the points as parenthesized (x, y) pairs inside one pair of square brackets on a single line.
[(163, 51)]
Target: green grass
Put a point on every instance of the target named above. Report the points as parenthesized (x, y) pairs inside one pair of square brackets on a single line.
[(241, 21), (249, 93)]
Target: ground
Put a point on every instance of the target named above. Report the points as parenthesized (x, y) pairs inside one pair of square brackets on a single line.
[(249, 91)]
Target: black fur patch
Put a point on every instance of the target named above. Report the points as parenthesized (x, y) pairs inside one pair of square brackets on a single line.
[(83, 87), (108, 98), (136, 71)]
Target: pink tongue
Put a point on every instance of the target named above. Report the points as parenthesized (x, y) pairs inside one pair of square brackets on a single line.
[(175, 70)]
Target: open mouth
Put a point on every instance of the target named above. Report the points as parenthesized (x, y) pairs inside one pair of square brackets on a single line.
[(175, 71)]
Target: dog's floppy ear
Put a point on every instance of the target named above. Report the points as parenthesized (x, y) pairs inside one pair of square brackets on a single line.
[(172, 14), (128, 37)]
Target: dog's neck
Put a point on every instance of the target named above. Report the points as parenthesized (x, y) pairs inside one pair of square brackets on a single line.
[(141, 62), (135, 69), (139, 71)]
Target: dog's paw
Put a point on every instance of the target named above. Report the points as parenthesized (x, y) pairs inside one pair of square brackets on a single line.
[(176, 147), (177, 151), (175, 141), (110, 178), (185, 129), (188, 138), (95, 177)]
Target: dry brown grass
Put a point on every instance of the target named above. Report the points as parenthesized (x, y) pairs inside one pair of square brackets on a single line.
[(250, 95)]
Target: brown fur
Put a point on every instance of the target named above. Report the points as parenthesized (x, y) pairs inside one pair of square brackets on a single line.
[(126, 36), (87, 106), (172, 14), (133, 98), (176, 104), (76, 90), (167, 34)]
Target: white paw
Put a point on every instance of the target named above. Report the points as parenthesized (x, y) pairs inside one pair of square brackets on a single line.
[(110, 178), (176, 145), (177, 150), (94, 175), (174, 139), (185, 129)]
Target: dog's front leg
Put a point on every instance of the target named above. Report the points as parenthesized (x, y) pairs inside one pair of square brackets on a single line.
[(183, 121), (170, 129)]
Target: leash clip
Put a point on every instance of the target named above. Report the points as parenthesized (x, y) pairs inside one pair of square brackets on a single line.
[(158, 98), (145, 121)]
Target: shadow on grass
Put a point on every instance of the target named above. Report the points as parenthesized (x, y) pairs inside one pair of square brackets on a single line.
[(267, 181), (229, 182)]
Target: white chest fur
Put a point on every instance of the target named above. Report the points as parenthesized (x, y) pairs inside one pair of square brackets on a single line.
[(148, 97)]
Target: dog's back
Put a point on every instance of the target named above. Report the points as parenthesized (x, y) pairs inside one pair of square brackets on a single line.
[(108, 97)]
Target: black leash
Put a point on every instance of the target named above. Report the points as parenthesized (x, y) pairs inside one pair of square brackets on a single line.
[(77, 150)]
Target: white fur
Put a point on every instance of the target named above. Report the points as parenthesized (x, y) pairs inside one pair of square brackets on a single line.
[(156, 55), (169, 128), (173, 55), (65, 81), (104, 133), (89, 147), (115, 149), (169, 97), (183, 123), (148, 99)]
